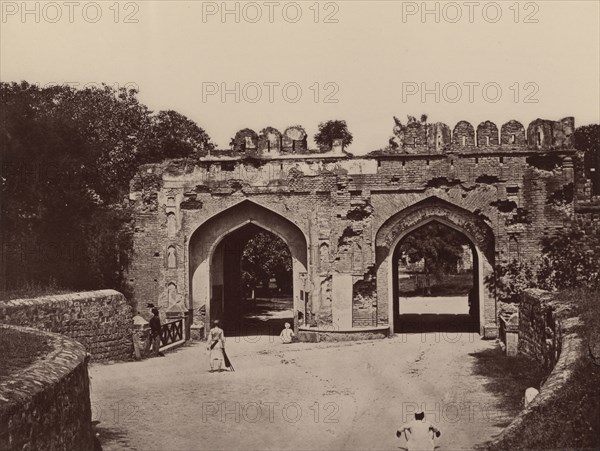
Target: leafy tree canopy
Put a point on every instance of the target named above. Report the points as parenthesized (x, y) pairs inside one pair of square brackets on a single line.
[(440, 246), (332, 130), (267, 256), (67, 157), (176, 136)]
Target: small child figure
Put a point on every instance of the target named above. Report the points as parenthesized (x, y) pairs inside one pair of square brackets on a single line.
[(287, 334)]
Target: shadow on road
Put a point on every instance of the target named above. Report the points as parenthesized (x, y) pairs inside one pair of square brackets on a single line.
[(507, 378)]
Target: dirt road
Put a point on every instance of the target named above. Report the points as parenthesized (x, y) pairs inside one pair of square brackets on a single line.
[(299, 396)]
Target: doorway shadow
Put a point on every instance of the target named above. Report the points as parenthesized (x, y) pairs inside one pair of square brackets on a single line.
[(259, 317), (431, 322)]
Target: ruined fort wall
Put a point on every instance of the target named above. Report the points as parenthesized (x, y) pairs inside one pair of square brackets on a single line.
[(519, 192)]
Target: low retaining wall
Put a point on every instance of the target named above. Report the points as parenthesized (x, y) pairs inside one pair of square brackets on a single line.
[(312, 335), (100, 320), (540, 336), (46, 406), (547, 333)]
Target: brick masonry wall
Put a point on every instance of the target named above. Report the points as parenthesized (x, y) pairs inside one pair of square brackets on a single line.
[(539, 332), (101, 321), (46, 406)]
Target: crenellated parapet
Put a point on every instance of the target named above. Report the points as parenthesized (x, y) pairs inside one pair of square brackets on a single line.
[(270, 142), (545, 134), (512, 133), (419, 137), (415, 137)]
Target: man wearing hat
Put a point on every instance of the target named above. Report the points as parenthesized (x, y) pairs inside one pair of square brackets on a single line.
[(154, 338), (419, 433)]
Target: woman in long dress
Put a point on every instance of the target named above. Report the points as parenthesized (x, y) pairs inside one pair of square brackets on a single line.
[(216, 344)]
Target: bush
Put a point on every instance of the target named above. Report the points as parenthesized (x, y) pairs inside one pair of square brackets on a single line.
[(570, 260), (511, 279)]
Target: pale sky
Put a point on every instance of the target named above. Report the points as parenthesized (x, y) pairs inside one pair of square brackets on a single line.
[(178, 53)]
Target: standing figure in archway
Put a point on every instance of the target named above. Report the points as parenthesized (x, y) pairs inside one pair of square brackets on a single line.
[(216, 345)]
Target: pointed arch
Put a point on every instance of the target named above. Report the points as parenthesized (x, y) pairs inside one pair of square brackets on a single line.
[(402, 223), (205, 249)]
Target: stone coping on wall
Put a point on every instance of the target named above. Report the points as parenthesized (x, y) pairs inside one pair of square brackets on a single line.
[(571, 353), (466, 151), (65, 355), (24, 395), (77, 296)]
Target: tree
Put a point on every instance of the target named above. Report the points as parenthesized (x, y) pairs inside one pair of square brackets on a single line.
[(267, 256), (440, 246), (330, 131), (67, 157), (177, 136)]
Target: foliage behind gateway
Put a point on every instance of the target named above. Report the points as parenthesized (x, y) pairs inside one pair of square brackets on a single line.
[(570, 260), (68, 156)]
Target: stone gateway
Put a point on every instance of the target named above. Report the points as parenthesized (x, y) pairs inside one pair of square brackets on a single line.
[(343, 217)]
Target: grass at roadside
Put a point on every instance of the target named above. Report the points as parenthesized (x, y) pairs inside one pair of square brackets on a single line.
[(572, 421), (19, 350)]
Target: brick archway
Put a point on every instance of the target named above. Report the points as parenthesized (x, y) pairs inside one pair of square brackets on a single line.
[(472, 226), (206, 253)]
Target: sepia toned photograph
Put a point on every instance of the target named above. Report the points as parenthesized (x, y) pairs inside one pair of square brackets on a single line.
[(299, 225)]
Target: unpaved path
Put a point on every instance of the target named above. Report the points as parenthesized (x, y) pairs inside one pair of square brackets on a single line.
[(299, 396)]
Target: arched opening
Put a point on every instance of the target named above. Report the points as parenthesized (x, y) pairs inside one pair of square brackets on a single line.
[(434, 284), (481, 241), (252, 283), (215, 251)]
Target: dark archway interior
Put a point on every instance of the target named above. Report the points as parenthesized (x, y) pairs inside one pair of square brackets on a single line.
[(435, 281), (252, 282)]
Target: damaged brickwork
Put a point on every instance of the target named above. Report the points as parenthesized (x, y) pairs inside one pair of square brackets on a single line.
[(343, 216)]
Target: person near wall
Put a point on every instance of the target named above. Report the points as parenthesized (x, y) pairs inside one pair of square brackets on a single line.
[(154, 338), (287, 334), (216, 346)]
